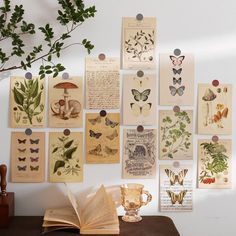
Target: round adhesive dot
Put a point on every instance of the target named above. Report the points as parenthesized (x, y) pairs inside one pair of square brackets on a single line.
[(215, 138), (101, 56), (177, 52), (176, 109), (28, 131), (65, 75), (140, 73), (66, 132), (139, 16), (103, 113), (28, 75), (215, 82), (140, 128), (176, 164)]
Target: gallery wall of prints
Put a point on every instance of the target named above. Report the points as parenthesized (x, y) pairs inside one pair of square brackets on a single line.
[(185, 155)]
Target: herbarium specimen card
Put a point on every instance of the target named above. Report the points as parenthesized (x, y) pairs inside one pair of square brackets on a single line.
[(27, 157), (176, 79), (139, 157), (139, 42), (102, 138), (176, 188), (214, 163), (27, 106), (214, 109), (102, 83), (176, 131), (65, 102), (139, 100), (65, 157)]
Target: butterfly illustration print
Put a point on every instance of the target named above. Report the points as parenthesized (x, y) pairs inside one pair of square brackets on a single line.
[(140, 80), (21, 168), (177, 61), (21, 141), (176, 178), (34, 159), (177, 71), (36, 150), (95, 120), (21, 150), (92, 134), (176, 197), (113, 135), (110, 151), (96, 151), (177, 81), (21, 158), (179, 91), (141, 110), (34, 168), (111, 123), (36, 141), (141, 96)]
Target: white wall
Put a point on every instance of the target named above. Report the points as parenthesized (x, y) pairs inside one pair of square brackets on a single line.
[(206, 28)]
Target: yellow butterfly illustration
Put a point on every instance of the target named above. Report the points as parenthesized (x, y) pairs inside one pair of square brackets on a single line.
[(176, 178), (95, 120), (176, 197), (110, 151), (141, 110), (113, 135)]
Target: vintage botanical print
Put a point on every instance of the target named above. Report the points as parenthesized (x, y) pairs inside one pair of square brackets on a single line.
[(139, 158), (139, 100), (66, 157), (27, 102), (214, 164), (102, 138), (139, 41), (102, 83), (176, 79), (65, 102), (214, 109), (27, 157), (176, 188), (176, 135)]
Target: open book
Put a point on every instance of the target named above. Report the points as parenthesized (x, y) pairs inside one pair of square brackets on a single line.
[(98, 216)]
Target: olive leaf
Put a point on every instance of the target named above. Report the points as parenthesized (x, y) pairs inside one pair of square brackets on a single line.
[(68, 144), (18, 97), (37, 100), (68, 154), (58, 164)]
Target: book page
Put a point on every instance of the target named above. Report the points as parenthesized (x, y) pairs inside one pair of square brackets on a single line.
[(102, 83)]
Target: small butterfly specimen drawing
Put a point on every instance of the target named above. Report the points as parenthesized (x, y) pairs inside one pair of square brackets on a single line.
[(113, 135), (21, 168), (177, 61), (94, 135), (96, 151), (34, 168), (21, 141), (179, 197), (141, 110), (111, 123), (140, 80), (21, 150), (36, 141), (21, 158), (34, 159), (179, 91), (110, 151), (141, 96), (95, 120), (177, 81), (32, 150), (176, 178), (177, 71)]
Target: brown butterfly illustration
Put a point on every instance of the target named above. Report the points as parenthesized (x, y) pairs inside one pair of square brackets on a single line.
[(34, 159), (96, 151), (34, 168), (21, 158), (176, 178), (176, 197), (113, 135), (95, 120), (21, 168), (111, 123), (110, 151), (21, 141), (92, 134)]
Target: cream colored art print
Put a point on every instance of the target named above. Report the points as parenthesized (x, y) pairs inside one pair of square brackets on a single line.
[(176, 188), (102, 83), (102, 138), (27, 106), (214, 164), (139, 158), (176, 79), (65, 102), (176, 129), (27, 157), (66, 157), (214, 109), (139, 100), (139, 42)]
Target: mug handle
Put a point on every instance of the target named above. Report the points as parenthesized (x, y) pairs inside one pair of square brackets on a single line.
[(149, 197)]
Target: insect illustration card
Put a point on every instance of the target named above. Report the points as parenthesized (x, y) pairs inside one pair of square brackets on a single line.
[(176, 188), (65, 157), (102, 83), (27, 157), (102, 138), (65, 102), (139, 42), (176, 79), (139, 100), (175, 135), (139, 157), (27, 106), (214, 109), (214, 164)]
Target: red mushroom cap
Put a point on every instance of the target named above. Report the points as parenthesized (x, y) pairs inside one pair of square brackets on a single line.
[(65, 85)]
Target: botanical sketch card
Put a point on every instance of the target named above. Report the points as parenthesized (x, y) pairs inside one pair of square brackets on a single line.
[(176, 188), (65, 157), (214, 109), (27, 102), (27, 157), (102, 138), (102, 83), (65, 102), (214, 163), (140, 151), (139, 100), (175, 135), (176, 79), (139, 42)]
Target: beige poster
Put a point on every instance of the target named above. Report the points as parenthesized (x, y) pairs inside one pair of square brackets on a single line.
[(27, 106), (214, 163), (65, 102), (102, 83), (27, 157), (139, 158), (214, 109), (139, 100), (176, 131), (102, 138), (176, 187), (66, 157), (139, 42), (176, 79)]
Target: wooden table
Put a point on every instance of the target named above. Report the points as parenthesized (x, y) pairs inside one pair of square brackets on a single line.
[(149, 226)]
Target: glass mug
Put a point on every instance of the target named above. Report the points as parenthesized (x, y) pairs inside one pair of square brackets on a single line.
[(132, 200)]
